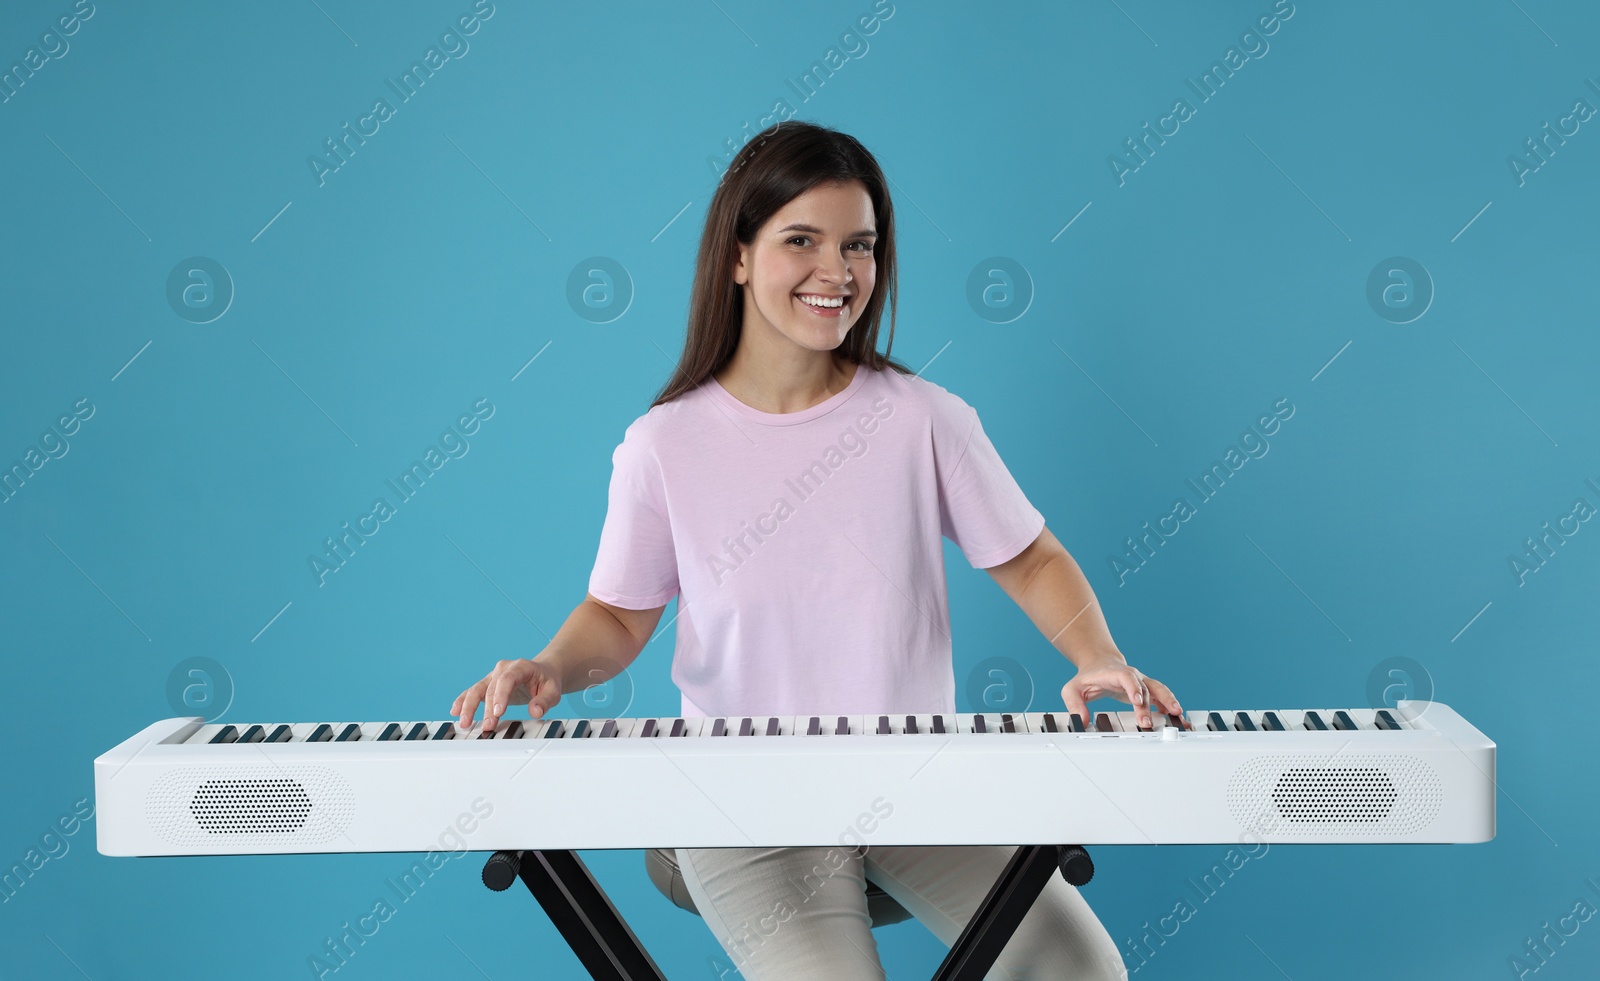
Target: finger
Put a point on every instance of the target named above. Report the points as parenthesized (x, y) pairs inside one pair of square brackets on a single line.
[(1133, 684), (1165, 699), (469, 706), (541, 698), (1075, 703)]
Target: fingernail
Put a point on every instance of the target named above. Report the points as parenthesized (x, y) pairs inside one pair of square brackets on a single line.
[(499, 710)]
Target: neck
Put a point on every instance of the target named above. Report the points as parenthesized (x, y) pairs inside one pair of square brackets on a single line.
[(785, 383)]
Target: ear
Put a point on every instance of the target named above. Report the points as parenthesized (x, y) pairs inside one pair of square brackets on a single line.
[(741, 265)]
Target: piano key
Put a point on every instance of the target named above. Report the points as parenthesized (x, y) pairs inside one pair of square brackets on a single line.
[(677, 728), (609, 730), (350, 733), (911, 724), (254, 734), (418, 731), (978, 725), (1102, 723), (938, 724), (1050, 723), (321, 734), (649, 729), (814, 727), (1314, 721), (1214, 722), (746, 727), (772, 726), (1177, 721), (1075, 723), (581, 730), (1342, 720), (1271, 723), (843, 727), (1007, 723), (226, 734), (883, 726), (281, 734), (720, 727), (1147, 727), (1243, 722), (446, 730), (390, 732), (1383, 720)]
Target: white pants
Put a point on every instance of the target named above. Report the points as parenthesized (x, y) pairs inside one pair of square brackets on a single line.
[(786, 914)]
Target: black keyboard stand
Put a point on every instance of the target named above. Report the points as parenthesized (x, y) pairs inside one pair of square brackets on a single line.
[(609, 951)]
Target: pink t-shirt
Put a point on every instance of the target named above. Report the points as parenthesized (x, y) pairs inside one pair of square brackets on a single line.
[(805, 546)]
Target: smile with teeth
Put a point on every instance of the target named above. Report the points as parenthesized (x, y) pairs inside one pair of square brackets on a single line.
[(823, 305)]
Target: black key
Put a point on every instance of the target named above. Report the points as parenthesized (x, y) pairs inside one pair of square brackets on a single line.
[(320, 734), (1342, 720), (349, 734), (1244, 723), (938, 724), (1050, 723), (226, 734), (581, 730), (677, 728), (746, 728), (1007, 724), (978, 725), (772, 726), (911, 723), (1177, 722), (1102, 722), (609, 730), (446, 730), (1314, 721), (883, 725), (1270, 722), (418, 731), (1214, 722), (815, 727), (843, 728), (513, 730), (1383, 720), (1147, 727), (254, 734), (1076, 723), (392, 732), (719, 727), (649, 728), (282, 734)]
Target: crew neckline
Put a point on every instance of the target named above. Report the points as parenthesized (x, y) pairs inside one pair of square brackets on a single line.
[(787, 418)]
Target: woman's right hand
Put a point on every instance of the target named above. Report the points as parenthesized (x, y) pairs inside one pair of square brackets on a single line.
[(518, 682)]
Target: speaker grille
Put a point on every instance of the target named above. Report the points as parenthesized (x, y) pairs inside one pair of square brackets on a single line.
[(1287, 797), (250, 805)]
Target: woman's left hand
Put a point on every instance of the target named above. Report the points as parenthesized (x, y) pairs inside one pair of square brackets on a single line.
[(1115, 678)]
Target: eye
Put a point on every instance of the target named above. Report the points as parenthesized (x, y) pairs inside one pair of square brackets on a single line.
[(866, 246), (798, 238)]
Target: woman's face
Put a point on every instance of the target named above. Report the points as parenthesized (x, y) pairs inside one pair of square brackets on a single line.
[(818, 246)]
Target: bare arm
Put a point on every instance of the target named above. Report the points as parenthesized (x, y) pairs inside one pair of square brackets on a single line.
[(595, 644), (1045, 581)]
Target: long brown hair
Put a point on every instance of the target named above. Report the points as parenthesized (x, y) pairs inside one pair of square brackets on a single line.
[(778, 165)]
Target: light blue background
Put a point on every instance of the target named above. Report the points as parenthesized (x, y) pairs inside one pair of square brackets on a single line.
[(1228, 272)]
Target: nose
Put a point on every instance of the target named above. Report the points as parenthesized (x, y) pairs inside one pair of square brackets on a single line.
[(832, 268)]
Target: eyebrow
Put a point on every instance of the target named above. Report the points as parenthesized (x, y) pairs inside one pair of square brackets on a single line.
[(798, 227)]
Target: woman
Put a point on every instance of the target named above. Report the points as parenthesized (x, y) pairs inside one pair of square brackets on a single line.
[(791, 485)]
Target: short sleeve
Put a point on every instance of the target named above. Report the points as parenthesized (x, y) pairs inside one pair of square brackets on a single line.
[(981, 507), (636, 567)]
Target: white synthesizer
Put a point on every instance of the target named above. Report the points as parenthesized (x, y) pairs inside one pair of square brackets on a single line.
[(1416, 773)]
